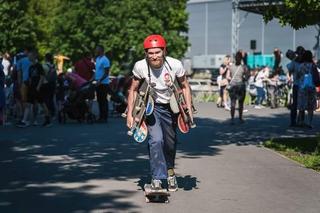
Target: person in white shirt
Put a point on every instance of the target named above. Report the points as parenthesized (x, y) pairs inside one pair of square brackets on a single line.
[(158, 69), (259, 83)]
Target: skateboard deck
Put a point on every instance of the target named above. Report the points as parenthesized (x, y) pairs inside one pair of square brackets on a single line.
[(150, 106), (138, 113), (182, 125), (140, 133), (158, 196), (185, 121)]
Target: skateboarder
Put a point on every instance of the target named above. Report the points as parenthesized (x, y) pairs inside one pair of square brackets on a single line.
[(158, 70)]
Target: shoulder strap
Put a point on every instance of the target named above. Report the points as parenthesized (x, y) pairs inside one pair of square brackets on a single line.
[(235, 73)]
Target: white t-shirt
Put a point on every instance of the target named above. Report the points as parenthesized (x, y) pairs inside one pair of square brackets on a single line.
[(6, 65), (260, 77), (162, 93)]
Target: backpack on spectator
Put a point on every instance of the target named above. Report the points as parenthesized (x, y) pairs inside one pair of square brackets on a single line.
[(315, 76), (52, 74), (306, 80)]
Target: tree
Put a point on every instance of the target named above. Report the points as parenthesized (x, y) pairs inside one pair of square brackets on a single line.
[(17, 28), (297, 13), (120, 26)]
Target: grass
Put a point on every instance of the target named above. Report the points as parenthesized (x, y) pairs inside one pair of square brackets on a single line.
[(213, 97), (303, 150)]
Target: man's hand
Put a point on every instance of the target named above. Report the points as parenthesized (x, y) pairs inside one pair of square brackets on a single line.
[(129, 121)]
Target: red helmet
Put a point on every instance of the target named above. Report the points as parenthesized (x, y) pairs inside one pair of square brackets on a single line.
[(154, 41)]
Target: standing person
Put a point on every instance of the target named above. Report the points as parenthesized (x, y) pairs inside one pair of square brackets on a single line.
[(307, 77), (157, 69), (85, 66), (2, 96), (293, 68), (277, 59), (36, 93), (237, 76), (102, 78), (21, 75), (223, 70), (6, 64), (50, 82), (260, 78)]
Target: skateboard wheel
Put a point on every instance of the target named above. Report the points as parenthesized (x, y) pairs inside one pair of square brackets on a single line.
[(130, 133), (142, 93)]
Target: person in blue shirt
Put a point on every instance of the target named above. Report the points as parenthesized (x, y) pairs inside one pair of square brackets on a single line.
[(293, 68), (2, 95), (22, 66), (102, 67)]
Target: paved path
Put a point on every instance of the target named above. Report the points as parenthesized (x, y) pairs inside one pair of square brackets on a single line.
[(97, 168)]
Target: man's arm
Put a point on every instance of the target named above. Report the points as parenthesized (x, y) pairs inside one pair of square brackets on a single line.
[(132, 94), (186, 92)]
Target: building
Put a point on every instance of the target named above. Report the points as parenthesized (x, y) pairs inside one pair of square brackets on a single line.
[(210, 26)]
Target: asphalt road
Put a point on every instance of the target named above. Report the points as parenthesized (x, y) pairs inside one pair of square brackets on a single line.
[(98, 168)]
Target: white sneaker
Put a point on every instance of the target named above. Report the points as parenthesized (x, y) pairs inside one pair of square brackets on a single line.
[(172, 184), (257, 107), (227, 108), (245, 110), (156, 184)]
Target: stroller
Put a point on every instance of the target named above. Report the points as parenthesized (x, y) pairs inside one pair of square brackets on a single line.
[(75, 105), (119, 87)]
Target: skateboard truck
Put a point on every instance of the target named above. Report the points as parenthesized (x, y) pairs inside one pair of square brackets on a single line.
[(159, 196)]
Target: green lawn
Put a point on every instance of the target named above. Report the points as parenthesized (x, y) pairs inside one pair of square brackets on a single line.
[(303, 150)]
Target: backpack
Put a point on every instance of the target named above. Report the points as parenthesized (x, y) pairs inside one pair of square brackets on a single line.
[(306, 80), (315, 76), (52, 74)]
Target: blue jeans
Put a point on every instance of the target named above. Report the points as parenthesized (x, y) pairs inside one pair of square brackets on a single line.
[(162, 140), (260, 95)]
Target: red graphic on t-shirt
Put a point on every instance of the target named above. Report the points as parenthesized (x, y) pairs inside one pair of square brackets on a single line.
[(167, 79)]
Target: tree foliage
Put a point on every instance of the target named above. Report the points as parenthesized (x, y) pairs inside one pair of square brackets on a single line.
[(17, 28), (297, 13), (72, 27)]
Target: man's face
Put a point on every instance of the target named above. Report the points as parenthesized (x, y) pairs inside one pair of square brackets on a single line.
[(98, 51), (155, 57)]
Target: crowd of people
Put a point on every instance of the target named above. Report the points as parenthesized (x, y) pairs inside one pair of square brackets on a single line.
[(29, 88), (297, 87)]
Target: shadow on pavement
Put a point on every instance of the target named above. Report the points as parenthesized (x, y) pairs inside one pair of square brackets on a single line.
[(76, 168)]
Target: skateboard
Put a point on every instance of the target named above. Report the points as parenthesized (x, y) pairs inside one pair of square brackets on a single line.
[(140, 133), (185, 121), (159, 196), (143, 105)]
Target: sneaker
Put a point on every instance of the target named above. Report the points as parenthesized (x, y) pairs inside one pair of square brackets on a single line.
[(227, 108), (22, 124), (245, 110), (172, 184), (257, 107), (156, 184), (35, 123)]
